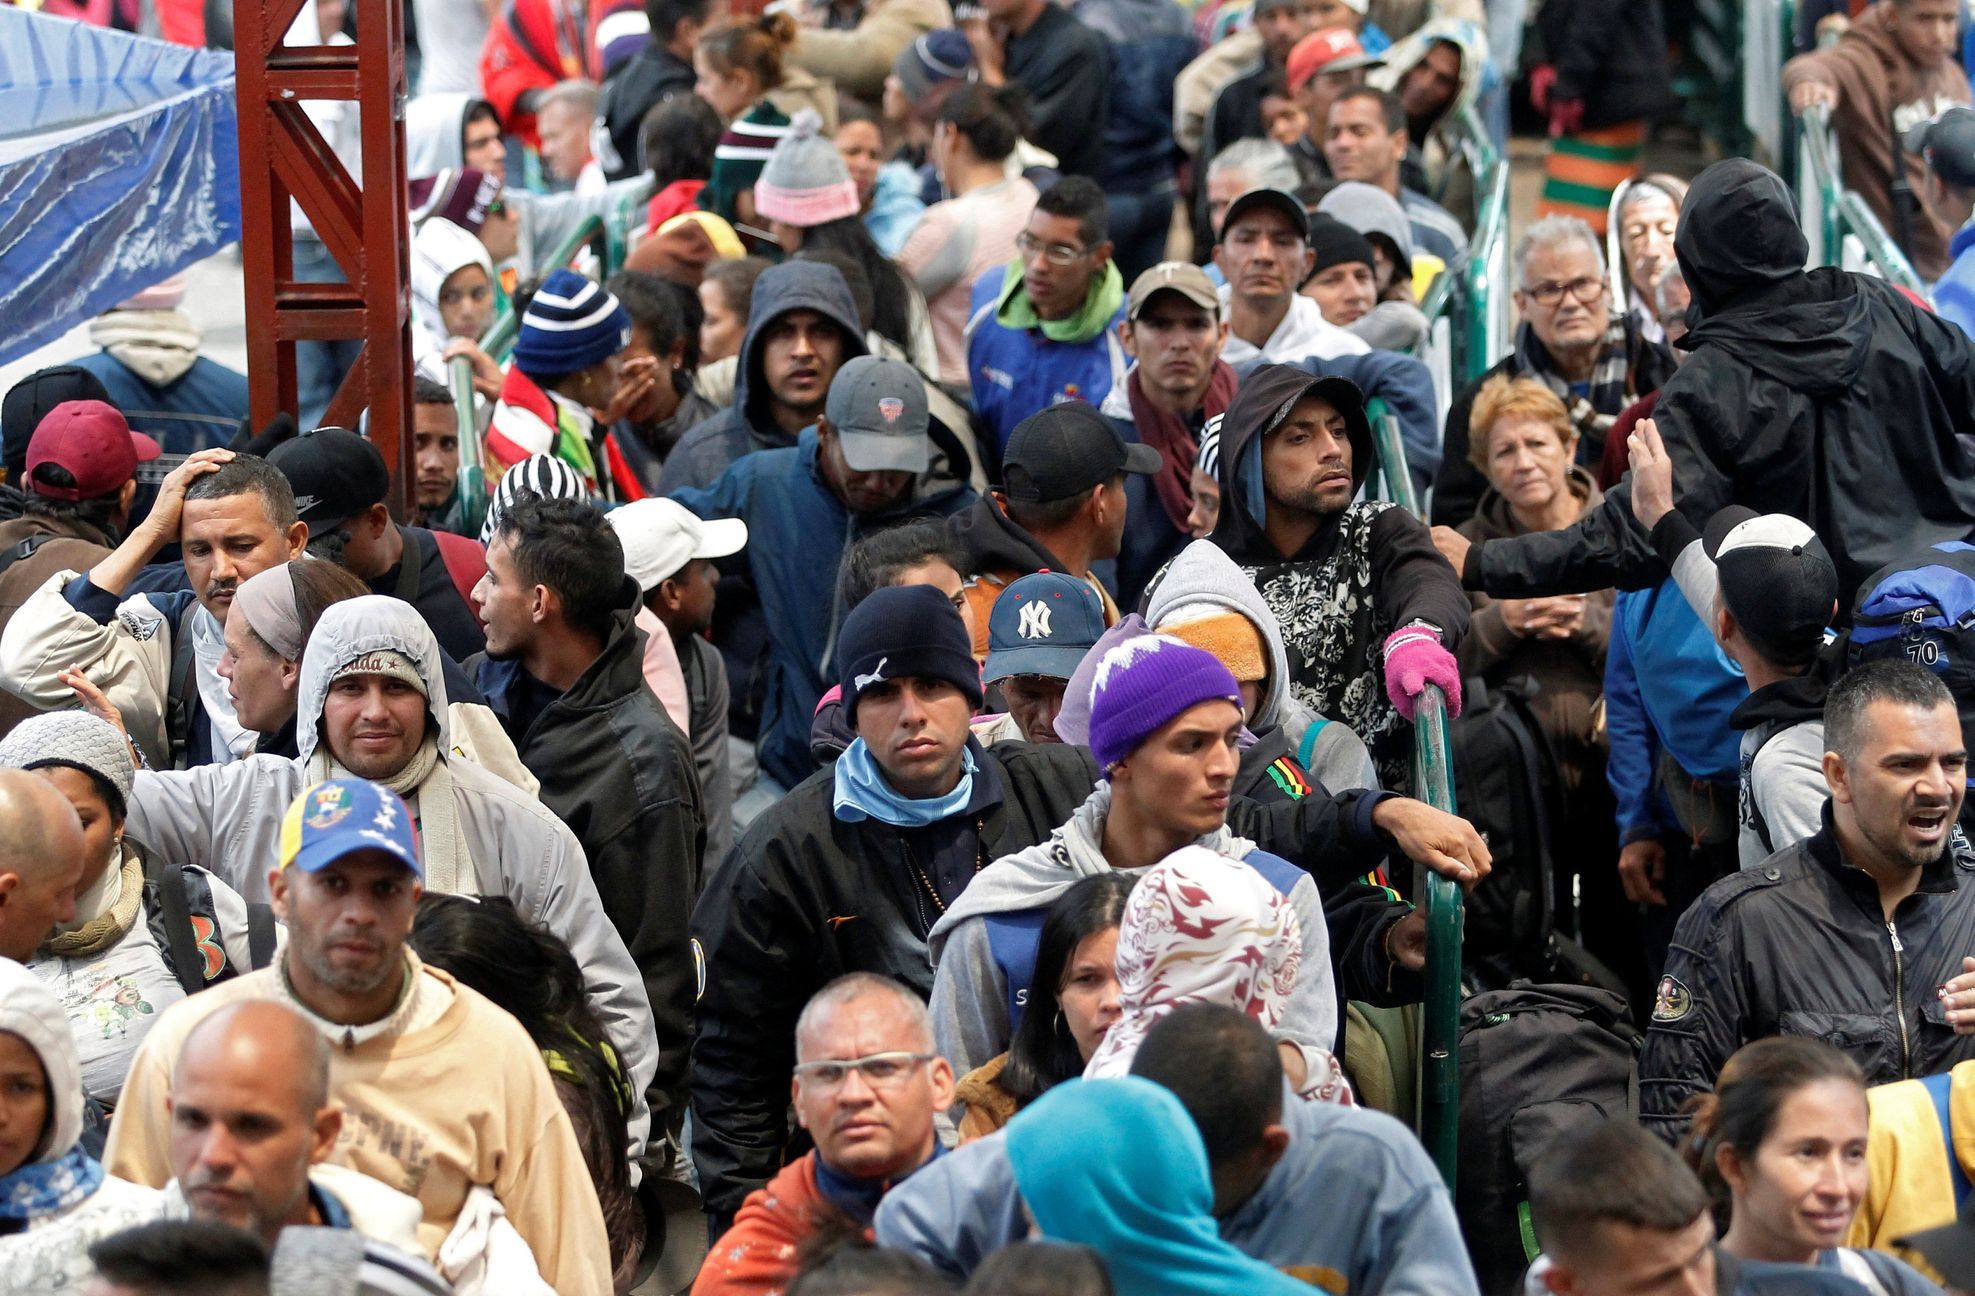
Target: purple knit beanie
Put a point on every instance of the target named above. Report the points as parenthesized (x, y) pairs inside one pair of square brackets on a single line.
[(1142, 684)]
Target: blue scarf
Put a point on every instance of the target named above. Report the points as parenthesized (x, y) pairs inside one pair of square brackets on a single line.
[(862, 792), (859, 1198), (45, 1187)]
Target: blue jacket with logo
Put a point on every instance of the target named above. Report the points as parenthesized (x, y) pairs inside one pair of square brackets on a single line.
[(1016, 372)]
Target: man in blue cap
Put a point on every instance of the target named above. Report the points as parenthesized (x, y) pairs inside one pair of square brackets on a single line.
[(443, 1090), (1039, 629)]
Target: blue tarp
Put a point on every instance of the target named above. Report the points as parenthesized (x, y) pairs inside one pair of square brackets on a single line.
[(119, 166)]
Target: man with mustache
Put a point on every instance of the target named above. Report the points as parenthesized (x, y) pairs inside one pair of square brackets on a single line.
[(372, 703), (151, 637), (1860, 934), (1369, 610), (868, 1082), (444, 1092)]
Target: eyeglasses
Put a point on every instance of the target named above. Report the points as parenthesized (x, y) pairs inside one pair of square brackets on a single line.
[(880, 1070), (1061, 254), (1549, 294)]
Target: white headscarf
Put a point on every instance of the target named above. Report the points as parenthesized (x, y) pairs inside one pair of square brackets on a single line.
[(440, 250)]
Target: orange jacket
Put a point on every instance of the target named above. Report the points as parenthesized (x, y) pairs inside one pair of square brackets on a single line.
[(757, 1257)]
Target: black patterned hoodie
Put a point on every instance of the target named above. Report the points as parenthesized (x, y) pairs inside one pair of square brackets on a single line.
[(1367, 571)]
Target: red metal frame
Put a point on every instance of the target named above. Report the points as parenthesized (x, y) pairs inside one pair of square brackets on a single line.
[(282, 155)]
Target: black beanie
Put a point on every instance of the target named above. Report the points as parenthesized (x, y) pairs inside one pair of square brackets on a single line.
[(1336, 243), (905, 630), (28, 401)]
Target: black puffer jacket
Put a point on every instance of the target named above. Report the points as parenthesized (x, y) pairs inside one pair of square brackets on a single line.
[(1800, 946), (1609, 53), (1825, 395), (805, 897), (616, 769)]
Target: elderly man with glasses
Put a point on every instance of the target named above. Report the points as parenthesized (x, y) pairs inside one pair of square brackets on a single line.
[(1042, 329), (868, 1084), (1573, 339)]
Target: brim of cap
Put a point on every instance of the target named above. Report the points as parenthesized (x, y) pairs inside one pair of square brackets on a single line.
[(1033, 659), (1950, 1249), (883, 452), (146, 448), (326, 850), (1349, 63), (1142, 459), (723, 537), (1724, 521)]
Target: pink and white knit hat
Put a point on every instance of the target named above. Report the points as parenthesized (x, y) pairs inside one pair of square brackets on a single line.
[(805, 183)]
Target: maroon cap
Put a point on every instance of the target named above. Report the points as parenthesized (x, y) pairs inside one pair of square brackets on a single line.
[(91, 440)]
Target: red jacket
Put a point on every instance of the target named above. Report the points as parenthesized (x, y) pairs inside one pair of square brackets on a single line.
[(532, 44), (757, 1256)]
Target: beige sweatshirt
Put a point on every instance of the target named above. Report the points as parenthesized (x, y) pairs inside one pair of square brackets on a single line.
[(465, 1100)]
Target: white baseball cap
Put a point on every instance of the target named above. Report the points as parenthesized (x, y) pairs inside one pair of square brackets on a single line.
[(660, 536)]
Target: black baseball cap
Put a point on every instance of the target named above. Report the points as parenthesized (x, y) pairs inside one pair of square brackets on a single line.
[(1950, 1248), (1286, 203), (335, 473), (1775, 576), (1065, 450), (1948, 145), (28, 402)]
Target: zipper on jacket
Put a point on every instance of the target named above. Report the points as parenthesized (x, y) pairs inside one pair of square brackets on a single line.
[(1899, 1002)]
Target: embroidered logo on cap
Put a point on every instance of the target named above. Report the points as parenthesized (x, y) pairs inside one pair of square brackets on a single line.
[(327, 807), (891, 408), (1035, 620)]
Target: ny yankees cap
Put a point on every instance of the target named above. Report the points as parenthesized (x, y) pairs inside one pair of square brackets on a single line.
[(878, 408), (1042, 624)]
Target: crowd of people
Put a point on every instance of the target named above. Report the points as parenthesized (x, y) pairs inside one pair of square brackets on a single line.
[(870, 747)]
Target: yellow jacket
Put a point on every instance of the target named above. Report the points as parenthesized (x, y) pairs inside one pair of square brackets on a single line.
[(1912, 1185)]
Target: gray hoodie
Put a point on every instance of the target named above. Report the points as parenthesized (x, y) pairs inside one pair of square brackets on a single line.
[(971, 950), (227, 818), (1203, 573), (1783, 791)]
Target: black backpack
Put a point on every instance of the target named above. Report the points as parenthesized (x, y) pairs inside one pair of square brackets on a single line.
[(1535, 1061), (1506, 781)]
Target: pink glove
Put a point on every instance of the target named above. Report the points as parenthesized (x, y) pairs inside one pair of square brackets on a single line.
[(1566, 116), (1542, 80), (1415, 659)]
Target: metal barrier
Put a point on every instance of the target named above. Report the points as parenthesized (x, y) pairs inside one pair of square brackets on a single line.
[(1467, 306), (472, 486), (1433, 782), (594, 236), (1840, 228)]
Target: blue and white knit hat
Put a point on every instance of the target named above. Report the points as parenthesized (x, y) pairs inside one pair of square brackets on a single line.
[(571, 324), (1142, 684)]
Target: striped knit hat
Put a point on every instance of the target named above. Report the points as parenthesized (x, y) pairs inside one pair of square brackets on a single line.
[(542, 476), (805, 182), (571, 324)]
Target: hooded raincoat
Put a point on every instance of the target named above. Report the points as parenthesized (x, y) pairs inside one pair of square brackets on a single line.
[(227, 818), (1822, 394), (1367, 570), (58, 1201), (1446, 153)]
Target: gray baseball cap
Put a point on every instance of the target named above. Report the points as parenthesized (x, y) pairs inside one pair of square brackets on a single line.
[(878, 408)]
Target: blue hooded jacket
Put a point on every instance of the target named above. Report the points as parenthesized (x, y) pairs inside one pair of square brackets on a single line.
[(798, 532)]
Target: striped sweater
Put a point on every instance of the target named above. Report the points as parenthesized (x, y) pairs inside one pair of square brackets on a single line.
[(744, 149)]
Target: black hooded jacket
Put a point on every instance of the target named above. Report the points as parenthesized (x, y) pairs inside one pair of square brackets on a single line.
[(616, 769), (1821, 394), (1367, 571)]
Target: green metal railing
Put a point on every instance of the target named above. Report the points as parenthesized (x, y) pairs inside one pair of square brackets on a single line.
[(1467, 306), (605, 243), (1841, 229), (472, 474), (1433, 782)]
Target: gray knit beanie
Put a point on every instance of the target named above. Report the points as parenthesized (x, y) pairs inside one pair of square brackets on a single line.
[(805, 182), (76, 739)]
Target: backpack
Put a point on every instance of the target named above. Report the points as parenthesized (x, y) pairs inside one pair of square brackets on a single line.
[(183, 919), (1535, 1060), (1922, 609), (1506, 780)]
